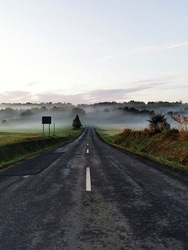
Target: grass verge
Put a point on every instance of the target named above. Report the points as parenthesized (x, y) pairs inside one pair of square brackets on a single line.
[(166, 147), (17, 146)]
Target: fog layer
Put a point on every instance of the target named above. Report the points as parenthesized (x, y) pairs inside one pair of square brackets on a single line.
[(107, 114)]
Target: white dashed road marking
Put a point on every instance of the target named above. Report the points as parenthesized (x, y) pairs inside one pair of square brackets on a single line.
[(88, 179)]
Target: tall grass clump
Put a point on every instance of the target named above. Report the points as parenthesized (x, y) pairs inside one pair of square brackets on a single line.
[(182, 123)]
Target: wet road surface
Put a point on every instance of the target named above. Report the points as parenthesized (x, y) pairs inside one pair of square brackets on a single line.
[(88, 195)]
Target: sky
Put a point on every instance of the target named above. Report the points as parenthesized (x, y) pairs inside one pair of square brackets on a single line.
[(88, 51)]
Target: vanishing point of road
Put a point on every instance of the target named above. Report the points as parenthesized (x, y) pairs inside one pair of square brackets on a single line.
[(88, 195)]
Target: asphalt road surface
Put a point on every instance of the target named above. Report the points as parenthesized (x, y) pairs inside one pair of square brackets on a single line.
[(88, 195)]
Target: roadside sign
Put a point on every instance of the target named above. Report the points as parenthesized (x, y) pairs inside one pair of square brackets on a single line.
[(46, 120)]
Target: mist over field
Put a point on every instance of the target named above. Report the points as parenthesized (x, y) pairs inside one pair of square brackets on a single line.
[(28, 116)]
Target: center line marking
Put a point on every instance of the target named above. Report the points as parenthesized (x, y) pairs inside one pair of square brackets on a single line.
[(88, 179), (87, 151)]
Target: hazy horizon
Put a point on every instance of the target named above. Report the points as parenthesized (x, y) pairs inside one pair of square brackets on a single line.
[(134, 115)]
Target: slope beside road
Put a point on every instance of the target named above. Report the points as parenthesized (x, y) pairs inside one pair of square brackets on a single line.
[(88, 195)]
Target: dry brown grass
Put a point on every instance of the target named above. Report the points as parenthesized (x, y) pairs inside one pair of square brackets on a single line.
[(183, 135)]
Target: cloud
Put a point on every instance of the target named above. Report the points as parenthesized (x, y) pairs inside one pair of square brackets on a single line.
[(99, 95), (104, 95), (156, 48), (105, 58), (16, 96), (31, 84), (24, 96), (163, 79), (148, 49), (123, 94), (86, 97)]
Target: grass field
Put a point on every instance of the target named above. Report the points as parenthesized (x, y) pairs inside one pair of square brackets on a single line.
[(15, 146), (9, 137)]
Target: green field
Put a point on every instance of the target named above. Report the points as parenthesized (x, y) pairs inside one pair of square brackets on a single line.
[(15, 146), (12, 136)]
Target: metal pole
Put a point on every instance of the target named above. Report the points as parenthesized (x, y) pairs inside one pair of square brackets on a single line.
[(43, 129), (54, 128)]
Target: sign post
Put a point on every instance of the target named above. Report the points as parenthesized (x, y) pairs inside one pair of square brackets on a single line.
[(46, 120)]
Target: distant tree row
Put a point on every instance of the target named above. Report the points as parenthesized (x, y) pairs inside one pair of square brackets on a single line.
[(10, 112)]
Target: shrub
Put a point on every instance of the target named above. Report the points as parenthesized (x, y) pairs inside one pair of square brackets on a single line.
[(158, 122)]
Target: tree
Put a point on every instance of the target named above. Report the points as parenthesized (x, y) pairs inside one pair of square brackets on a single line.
[(76, 123), (28, 112), (79, 111), (158, 122)]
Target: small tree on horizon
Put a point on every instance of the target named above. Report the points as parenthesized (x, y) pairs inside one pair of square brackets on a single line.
[(76, 123)]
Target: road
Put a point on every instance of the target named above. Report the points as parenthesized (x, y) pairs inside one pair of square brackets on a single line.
[(88, 195)]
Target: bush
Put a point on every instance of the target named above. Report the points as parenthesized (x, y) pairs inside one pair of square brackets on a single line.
[(158, 122)]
